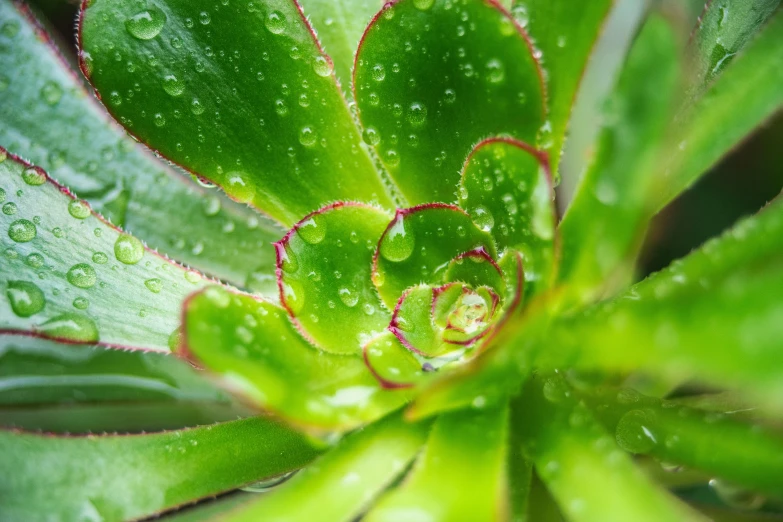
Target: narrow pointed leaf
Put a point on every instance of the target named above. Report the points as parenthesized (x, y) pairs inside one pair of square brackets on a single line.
[(519, 470), (603, 225), (433, 78), (465, 452), (68, 274), (745, 94), (715, 316), (41, 96), (565, 33), (122, 477), (742, 454), (241, 95), (418, 245), (342, 484), (506, 188), (258, 352), (340, 25), (570, 449), (325, 266)]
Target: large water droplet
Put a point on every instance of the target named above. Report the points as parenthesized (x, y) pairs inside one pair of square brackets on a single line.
[(147, 24), (417, 114), (71, 326), (635, 431), (378, 72), (322, 66), (397, 245), (312, 230), (154, 285), (239, 188), (307, 136), (99, 258), (275, 22), (35, 260), (82, 275), (51, 93), (78, 209), (22, 231), (128, 250), (173, 86), (26, 298), (496, 73), (483, 218), (350, 298), (34, 176), (10, 208)]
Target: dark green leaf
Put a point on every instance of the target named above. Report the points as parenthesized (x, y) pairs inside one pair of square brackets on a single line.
[(564, 32), (49, 118), (434, 77), (239, 93), (570, 451), (325, 268), (258, 352), (121, 477), (461, 474), (603, 225), (67, 274), (341, 485)]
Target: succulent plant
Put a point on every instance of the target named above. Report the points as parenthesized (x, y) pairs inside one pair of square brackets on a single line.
[(387, 299)]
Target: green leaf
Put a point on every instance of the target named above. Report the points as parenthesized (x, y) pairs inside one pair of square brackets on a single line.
[(603, 225), (520, 471), (339, 486), (569, 450), (121, 477), (461, 474), (391, 363), (714, 316), (564, 33), (723, 30), (743, 454), (69, 275), (41, 97), (507, 189), (325, 266), (253, 346), (418, 245), (434, 77), (745, 94), (239, 94), (340, 25)]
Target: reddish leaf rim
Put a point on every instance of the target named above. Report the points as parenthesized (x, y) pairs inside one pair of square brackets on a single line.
[(481, 253), (280, 254), (699, 20), (492, 3), (67, 192), (85, 4), (385, 383)]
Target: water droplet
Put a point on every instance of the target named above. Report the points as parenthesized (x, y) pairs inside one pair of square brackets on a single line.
[(51, 93), (154, 285), (196, 107), (322, 66), (378, 72), (371, 136), (159, 120), (423, 4), (173, 86), (450, 96), (35, 260), (417, 114), (555, 390), (294, 296), (483, 218), (307, 136), (11, 28), (147, 24), (2, 191), (10, 208), (81, 303), (397, 245), (211, 206), (128, 250), (99, 258), (82, 275), (26, 298), (71, 326), (635, 432), (58, 232), (78, 209), (349, 297), (496, 73), (239, 188), (115, 98), (22, 231), (34, 176), (204, 18), (313, 230), (275, 22)]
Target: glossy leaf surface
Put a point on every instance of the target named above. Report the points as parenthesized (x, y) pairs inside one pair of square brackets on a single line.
[(465, 452), (67, 274), (506, 188), (564, 33), (41, 96), (116, 477), (422, 118), (223, 77), (259, 353), (602, 226), (341, 485), (418, 245), (325, 276), (570, 450), (391, 362)]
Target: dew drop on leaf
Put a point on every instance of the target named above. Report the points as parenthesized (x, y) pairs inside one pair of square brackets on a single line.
[(99, 258), (635, 432), (51, 93), (22, 231), (417, 114), (350, 298), (81, 303), (398, 243), (10, 208), (239, 188), (26, 298), (33, 176), (275, 22), (312, 230), (154, 285), (71, 326), (128, 250), (35, 260), (322, 66), (82, 275), (146, 24), (78, 209), (173, 86)]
